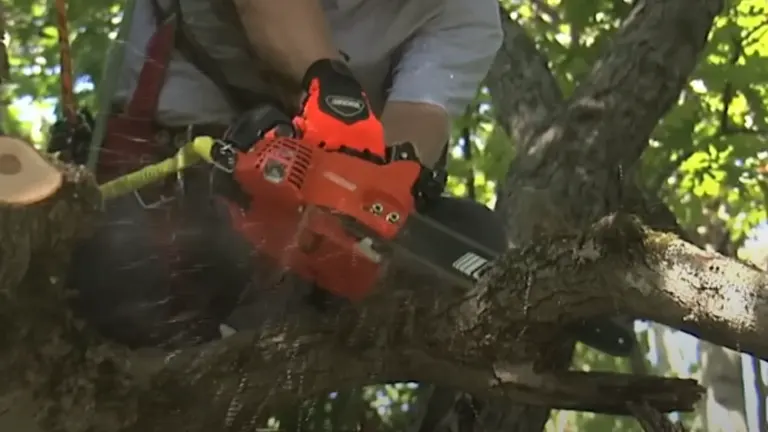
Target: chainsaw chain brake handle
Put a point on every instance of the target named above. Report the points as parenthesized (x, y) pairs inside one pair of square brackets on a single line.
[(247, 131)]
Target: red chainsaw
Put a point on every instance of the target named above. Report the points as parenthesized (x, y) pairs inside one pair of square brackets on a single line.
[(320, 214), (333, 218)]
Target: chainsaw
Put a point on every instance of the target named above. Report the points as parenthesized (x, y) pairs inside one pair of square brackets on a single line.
[(335, 218), (323, 215)]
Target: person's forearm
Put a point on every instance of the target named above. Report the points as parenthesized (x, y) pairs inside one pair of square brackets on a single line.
[(289, 34), (426, 126)]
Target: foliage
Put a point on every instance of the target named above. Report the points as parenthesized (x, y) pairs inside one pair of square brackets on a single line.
[(714, 142), (34, 55), (710, 152)]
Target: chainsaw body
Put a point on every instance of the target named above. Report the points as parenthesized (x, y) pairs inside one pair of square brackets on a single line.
[(320, 213)]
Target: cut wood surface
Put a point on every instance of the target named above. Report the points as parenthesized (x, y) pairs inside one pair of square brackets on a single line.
[(25, 177)]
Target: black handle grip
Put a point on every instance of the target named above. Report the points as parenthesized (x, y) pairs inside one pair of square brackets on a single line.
[(251, 126)]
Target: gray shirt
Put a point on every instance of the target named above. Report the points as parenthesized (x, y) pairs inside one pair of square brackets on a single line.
[(444, 49)]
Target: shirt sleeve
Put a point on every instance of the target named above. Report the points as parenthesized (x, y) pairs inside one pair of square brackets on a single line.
[(445, 61)]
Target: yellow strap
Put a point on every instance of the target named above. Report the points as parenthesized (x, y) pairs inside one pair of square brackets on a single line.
[(190, 154)]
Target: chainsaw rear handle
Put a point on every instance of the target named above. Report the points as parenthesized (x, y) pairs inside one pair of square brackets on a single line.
[(254, 125)]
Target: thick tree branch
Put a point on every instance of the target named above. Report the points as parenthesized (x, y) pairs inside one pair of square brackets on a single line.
[(487, 342), (82, 382), (524, 92), (569, 177), (391, 339), (394, 339), (643, 273), (639, 79)]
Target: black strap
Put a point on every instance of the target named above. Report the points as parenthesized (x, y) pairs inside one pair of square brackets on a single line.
[(239, 98)]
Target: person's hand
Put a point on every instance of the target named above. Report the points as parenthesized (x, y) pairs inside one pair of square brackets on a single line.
[(336, 114)]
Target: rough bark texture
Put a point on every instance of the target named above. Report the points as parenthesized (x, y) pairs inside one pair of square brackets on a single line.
[(579, 256), (490, 342), (485, 344)]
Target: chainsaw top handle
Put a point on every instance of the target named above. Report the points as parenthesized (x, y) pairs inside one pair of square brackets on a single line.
[(256, 124), (250, 129)]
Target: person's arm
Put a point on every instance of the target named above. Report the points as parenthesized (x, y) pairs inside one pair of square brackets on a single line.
[(439, 72), (289, 34)]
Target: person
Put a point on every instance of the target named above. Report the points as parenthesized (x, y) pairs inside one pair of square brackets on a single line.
[(165, 268)]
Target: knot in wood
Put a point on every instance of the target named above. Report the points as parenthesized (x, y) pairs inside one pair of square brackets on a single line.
[(10, 164)]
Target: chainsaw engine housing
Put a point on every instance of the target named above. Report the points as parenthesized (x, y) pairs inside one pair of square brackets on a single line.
[(319, 214)]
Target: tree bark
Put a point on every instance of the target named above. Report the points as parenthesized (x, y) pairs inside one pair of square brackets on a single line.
[(578, 255), (489, 342)]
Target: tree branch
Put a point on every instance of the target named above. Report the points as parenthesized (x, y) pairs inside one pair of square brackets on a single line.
[(487, 342), (558, 182), (643, 273), (639, 79), (391, 338), (524, 91)]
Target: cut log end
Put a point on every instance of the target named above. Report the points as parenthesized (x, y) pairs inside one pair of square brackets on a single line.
[(25, 176)]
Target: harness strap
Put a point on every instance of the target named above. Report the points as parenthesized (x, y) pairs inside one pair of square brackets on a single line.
[(130, 140), (144, 102), (186, 46), (134, 139)]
